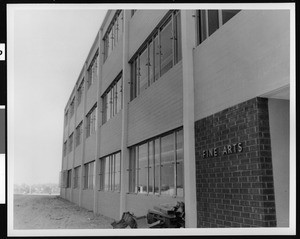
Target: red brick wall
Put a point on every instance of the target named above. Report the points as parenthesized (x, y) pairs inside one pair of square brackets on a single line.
[(235, 189)]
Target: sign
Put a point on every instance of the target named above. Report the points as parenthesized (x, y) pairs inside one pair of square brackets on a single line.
[(225, 150)]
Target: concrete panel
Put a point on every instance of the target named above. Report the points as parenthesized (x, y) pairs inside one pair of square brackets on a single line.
[(90, 148), (78, 155), (79, 112), (158, 109), (109, 204), (245, 58), (70, 161), (139, 204), (88, 199), (112, 66), (66, 132), (75, 196), (280, 143), (65, 162), (91, 98), (68, 193), (111, 135), (141, 25), (72, 124)]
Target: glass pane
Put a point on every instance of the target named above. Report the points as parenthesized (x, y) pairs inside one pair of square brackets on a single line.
[(115, 99), (112, 172), (104, 111), (132, 170), (228, 14), (166, 48), (108, 113), (133, 80), (143, 168), (151, 166), (110, 44), (156, 57), (213, 21), (167, 165), (119, 95), (151, 63), (157, 166), (117, 172), (179, 155), (106, 174), (178, 37), (120, 26), (143, 74)]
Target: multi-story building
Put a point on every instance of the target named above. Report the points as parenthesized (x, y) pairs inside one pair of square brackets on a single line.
[(183, 105)]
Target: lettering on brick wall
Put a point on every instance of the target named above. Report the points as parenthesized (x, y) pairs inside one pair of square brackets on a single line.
[(225, 150)]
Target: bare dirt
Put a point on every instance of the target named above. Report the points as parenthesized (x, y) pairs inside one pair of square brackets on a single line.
[(53, 212)]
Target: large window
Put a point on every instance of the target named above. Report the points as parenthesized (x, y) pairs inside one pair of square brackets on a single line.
[(113, 34), (91, 121), (66, 117), (156, 166), (159, 54), (88, 178), (93, 71), (78, 134), (110, 172), (69, 178), (72, 107), (70, 143), (76, 177), (65, 148), (80, 92), (210, 20), (112, 99)]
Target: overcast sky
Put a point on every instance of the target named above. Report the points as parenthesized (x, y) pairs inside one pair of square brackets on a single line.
[(50, 47)]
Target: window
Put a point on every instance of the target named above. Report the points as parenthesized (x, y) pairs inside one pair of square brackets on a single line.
[(112, 99), (156, 166), (69, 179), (72, 107), (93, 71), (66, 117), (160, 53), (70, 143), (113, 34), (65, 148), (78, 134), (210, 20), (80, 92), (64, 178), (76, 177), (88, 175), (110, 172), (91, 121)]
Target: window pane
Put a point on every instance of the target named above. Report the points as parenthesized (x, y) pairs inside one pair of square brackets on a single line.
[(120, 25), (156, 57), (106, 174), (167, 164), (178, 37), (115, 99), (166, 48), (151, 63), (228, 14), (117, 171), (108, 105), (157, 166), (104, 110), (143, 168), (110, 44), (143, 73), (119, 95), (213, 21), (132, 167), (134, 79), (151, 166), (179, 155)]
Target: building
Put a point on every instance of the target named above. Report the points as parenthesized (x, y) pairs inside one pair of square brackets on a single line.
[(183, 105)]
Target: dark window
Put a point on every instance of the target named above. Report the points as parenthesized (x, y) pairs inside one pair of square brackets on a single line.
[(91, 121)]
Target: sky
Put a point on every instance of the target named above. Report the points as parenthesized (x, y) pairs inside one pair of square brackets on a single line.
[(50, 46)]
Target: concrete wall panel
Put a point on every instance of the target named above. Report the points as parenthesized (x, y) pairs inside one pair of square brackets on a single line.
[(109, 204)]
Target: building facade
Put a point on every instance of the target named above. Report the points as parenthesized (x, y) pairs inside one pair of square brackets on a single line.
[(183, 105)]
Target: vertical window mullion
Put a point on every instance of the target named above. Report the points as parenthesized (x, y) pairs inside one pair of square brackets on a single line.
[(220, 18), (159, 184), (206, 24)]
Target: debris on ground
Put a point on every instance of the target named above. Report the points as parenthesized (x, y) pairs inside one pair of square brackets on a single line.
[(167, 216), (128, 219)]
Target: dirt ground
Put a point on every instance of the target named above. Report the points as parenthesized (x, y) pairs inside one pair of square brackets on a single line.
[(53, 212)]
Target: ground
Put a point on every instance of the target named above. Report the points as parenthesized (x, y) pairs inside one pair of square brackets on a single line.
[(53, 212)]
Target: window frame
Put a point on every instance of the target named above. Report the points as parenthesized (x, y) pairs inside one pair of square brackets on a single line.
[(134, 165), (88, 175), (155, 39), (70, 141), (80, 92), (78, 134), (90, 70), (111, 159), (76, 177), (112, 96), (91, 121)]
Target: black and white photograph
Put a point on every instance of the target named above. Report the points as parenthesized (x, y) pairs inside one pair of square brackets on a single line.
[(151, 119)]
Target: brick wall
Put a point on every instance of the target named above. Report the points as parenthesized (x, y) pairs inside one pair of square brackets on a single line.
[(234, 176)]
